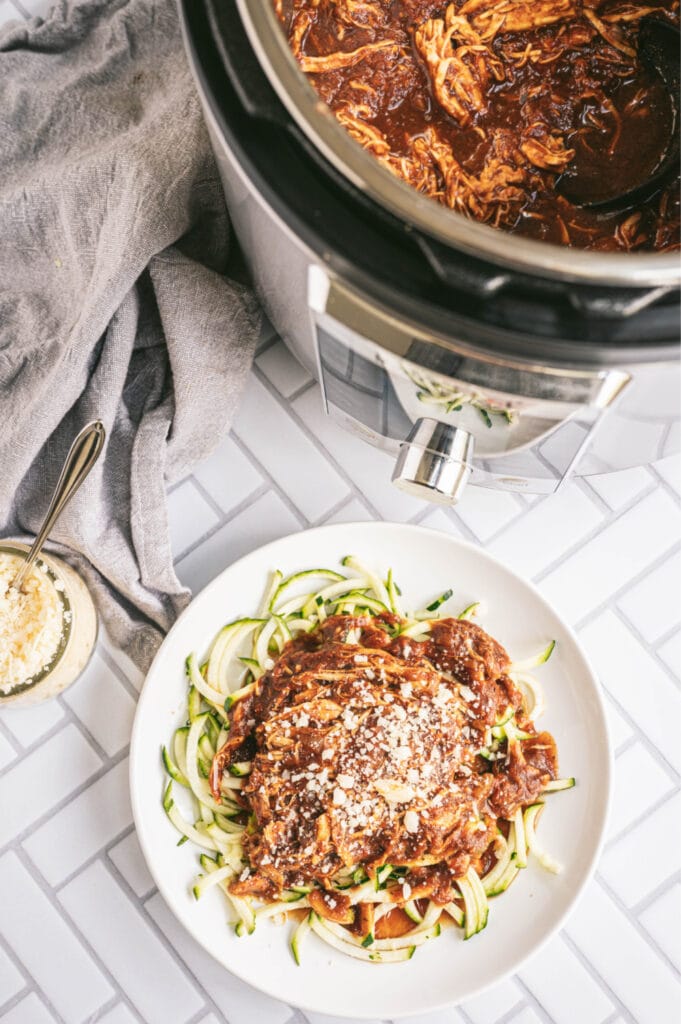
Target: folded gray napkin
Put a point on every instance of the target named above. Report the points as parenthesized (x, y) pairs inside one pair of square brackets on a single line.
[(115, 294)]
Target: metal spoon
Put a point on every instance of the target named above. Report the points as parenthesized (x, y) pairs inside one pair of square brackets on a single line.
[(82, 456), (658, 47)]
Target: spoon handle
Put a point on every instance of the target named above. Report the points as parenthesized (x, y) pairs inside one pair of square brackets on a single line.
[(82, 456)]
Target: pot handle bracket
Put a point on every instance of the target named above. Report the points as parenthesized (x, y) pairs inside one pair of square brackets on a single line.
[(500, 422)]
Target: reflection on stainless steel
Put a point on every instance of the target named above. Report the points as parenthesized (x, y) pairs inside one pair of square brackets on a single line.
[(434, 462), (510, 409), (457, 357), (449, 397)]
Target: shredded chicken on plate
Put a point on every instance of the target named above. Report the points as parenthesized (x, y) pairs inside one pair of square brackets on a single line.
[(368, 754)]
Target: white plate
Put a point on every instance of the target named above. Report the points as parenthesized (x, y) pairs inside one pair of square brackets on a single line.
[(448, 969)]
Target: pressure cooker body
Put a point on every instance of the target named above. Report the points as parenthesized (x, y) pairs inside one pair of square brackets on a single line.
[(464, 368)]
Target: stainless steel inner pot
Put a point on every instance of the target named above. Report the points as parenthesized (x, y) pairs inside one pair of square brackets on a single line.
[(318, 123)]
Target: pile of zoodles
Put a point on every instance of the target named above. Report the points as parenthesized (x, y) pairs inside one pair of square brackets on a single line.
[(241, 653)]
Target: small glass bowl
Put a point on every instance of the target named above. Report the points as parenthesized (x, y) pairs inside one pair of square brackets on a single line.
[(79, 631)]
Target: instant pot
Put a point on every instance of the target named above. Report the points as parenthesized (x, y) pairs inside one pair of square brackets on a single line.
[(469, 353)]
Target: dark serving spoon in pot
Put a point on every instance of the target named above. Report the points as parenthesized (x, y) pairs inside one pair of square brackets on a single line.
[(588, 186)]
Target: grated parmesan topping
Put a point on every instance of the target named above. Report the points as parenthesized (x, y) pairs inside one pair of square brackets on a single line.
[(31, 622), (366, 757), (388, 753), (411, 821)]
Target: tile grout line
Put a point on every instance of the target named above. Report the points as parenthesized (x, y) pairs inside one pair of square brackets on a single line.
[(663, 483), (453, 517), (19, 838), (514, 1011), (44, 738), (228, 517), (104, 1008), (269, 479), (20, 9), (207, 496), (532, 1000), (627, 744), (347, 500), (652, 650), (18, 749), (464, 1013), (666, 637), (28, 980), (23, 992), (102, 852), (63, 913), (200, 1015), (610, 602), (263, 345), (141, 906), (49, 894), (299, 392), (642, 818), (647, 938), (117, 671), (597, 977), (206, 535), (643, 738), (36, 991), (297, 1017), (300, 423), (608, 520), (585, 485), (73, 719), (655, 894), (521, 514)]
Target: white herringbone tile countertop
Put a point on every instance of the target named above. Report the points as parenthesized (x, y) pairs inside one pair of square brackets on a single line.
[(604, 551)]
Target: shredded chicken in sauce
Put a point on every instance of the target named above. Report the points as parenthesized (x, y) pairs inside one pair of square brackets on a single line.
[(369, 752), (484, 104)]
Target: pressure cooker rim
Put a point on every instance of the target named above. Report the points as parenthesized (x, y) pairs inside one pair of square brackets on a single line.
[(361, 169)]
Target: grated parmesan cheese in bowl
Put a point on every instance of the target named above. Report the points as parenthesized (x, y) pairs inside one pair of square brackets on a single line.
[(47, 630), (31, 622)]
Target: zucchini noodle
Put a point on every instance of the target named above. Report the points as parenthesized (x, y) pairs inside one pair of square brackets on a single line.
[(365, 897)]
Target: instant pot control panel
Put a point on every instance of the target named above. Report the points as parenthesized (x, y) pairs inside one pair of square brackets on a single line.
[(450, 415)]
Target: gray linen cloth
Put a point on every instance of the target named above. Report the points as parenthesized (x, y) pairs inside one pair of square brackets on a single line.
[(115, 299)]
